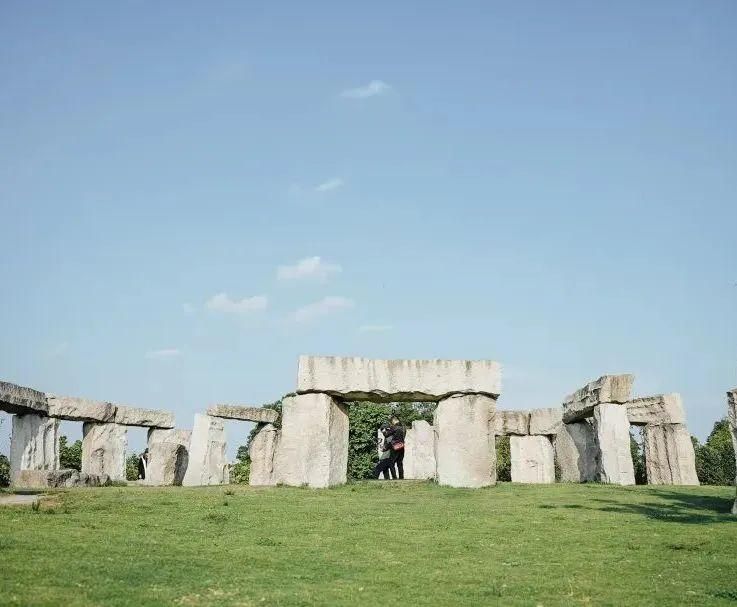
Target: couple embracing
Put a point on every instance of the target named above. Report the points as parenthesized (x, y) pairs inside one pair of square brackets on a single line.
[(391, 450)]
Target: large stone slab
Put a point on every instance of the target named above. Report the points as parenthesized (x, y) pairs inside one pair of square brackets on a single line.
[(262, 452), (732, 415), (80, 409), (397, 380), (511, 422), (419, 451), (42, 479), (656, 410), (34, 444), (207, 463), (533, 459), (669, 455), (135, 416), (242, 413), (606, 389), (103, 450), (313, 448), (19, 400), (465, 453), (168, 456), (577, 452), (546, 421), (613, 437)]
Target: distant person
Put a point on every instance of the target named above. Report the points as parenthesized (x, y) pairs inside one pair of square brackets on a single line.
[(385, 462), (143, 465), (397, 443)]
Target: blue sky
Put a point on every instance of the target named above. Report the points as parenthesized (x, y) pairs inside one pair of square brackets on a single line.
[(194, 194)]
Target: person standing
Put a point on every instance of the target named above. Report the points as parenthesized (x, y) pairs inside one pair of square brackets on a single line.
[(143, 465), (385, 462), (397, 444)]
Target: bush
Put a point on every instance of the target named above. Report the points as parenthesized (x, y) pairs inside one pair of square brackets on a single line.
[(503, 459), (131, 467), (715, 463), (4, 471), (70, 456)]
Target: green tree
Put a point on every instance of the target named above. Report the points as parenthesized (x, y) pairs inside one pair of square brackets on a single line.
[(70, 456), (715, 463), (638, 460), (4, 471), (503, 459), (131, 467)]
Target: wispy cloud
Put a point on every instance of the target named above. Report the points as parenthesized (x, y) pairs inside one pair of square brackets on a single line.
[(373, 88), (164, 354), (324, 307), (374, 328), (309, 268), (223, 303), (329, 185)]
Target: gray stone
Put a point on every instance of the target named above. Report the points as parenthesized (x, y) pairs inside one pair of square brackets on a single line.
[(262, 453), (135, 416), (546, 421), (207, 464), (654, 410), (465, 453), (19, 400), (34, 444), (43, 479), (248, 414), (103, 450), (613, 437), (419, 451), (80, 409), (397, 380), (168, 456), (606, 389), (669, 455), (732, 414), (533, 460), (313, 448), (511, 422), (577, 452)]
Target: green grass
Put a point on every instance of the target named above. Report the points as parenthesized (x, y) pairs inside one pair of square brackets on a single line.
[(386, 543)]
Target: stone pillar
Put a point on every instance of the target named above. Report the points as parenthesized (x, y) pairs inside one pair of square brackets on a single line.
[(313, 448), (732, 414), (262, 452), (103, 449), (669, 455), (533, 460), (168, 456), (419, 451), (207, 463), (613, 437), (34, 444), (465, 453), (577, 453)]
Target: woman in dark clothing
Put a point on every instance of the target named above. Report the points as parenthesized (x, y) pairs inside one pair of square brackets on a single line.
[(386, 461), (397, 441)]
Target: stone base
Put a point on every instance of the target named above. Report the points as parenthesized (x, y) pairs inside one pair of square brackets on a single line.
[(533, 460), (613, 437), (669, 455), (34, 444), (43, 479), (577, 453), (103, 450), (262, 453), (419, 451), (207, 464)]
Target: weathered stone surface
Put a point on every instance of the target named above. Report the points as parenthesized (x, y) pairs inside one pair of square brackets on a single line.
[(397, 380), (669, 455), (419, 451), (34, 444), (533, 460), (577, 453), (80, 409), (546, 421), (168, 456), (248, 414), (606, 389), (262, 453), (655, 410), (42, 479), (103, 450), (732, 414), (313, 448), (465, 453), (511, 422), (613, 437), (207, 464), (134, 416), (19, 400)]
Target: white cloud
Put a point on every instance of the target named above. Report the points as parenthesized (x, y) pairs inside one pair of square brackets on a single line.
[(309, 268), (223, 303), (166, 353), (330, 184), (374, 328), (373, 88), (324, 307)]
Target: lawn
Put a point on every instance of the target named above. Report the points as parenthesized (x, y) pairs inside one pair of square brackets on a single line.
[(407, 543)]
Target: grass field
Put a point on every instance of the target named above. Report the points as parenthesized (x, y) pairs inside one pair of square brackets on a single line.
[(387, 543)]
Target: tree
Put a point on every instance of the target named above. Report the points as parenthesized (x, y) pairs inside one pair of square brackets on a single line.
[(131, 467), (503, 459), (70, 456), (715, 463), (4, 471), (638, 460)]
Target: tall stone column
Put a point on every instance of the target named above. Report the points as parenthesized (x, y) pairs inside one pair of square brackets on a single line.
[(419, 451), (465, 453), (168, 456), (34, 444), (313, 448), (613, 437), (207, 463), (532, 458), (732, 414), (103, 449), (262, 453), (669, 455), (577, 453)]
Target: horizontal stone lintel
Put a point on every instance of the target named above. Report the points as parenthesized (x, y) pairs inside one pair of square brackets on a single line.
[(244, 413), (19, 400), (661, 409), (393, 397), (607, 389)]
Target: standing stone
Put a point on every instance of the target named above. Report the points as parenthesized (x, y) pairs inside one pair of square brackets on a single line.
[(34, 444), (168, 456), (533, 460), (732, 414), (546, 421), (419, 451), (669, 455), (577, 453), (465, 453), (613, 437), (313, 448), (262, 453), (103, 450), (207, 464)]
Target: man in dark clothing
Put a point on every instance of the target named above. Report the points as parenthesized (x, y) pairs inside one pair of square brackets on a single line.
[(397, 441), (386, 461)]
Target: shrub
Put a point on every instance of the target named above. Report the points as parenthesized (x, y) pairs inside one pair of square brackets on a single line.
[(503, 459), (715, 463), (70, 456), (131, 467), (4, 471)]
